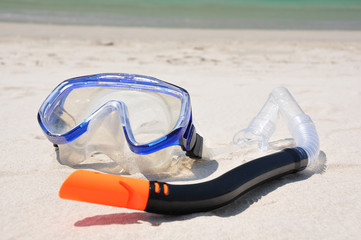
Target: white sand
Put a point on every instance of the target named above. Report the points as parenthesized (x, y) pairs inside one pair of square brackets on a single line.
[(229, 75)]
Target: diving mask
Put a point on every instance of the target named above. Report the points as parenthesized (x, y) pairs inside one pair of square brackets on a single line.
[(134, 120)]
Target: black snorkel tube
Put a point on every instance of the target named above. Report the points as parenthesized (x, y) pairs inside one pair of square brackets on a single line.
[(164, 198), (206, 196)]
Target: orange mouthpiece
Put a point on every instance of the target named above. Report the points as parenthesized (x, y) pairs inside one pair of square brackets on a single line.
[(106, 189)]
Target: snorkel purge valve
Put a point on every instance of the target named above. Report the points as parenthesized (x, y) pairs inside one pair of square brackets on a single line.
[(164, 198)]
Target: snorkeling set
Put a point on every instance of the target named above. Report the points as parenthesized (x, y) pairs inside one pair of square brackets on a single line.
[(139, 122)]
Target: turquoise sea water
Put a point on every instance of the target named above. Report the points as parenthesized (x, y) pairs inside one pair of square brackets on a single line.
[(239, 14)]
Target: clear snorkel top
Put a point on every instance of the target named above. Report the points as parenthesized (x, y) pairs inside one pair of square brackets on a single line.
[(300, 125)]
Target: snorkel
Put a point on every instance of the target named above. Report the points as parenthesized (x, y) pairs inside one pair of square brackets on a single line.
[(164, 198)]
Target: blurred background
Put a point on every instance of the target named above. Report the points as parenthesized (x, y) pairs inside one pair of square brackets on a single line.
[(235, 14)]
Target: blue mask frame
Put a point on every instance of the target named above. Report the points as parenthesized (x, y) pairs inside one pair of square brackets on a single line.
[(183, 133)]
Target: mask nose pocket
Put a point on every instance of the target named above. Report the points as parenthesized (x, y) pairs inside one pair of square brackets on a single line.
[(105, 131)]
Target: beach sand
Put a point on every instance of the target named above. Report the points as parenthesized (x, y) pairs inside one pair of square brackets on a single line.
[(229, 74)]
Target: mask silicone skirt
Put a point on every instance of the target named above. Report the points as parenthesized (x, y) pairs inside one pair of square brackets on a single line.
[(133, 119)]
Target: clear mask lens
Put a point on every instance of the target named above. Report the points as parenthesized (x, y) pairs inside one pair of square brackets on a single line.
[(151, 115)]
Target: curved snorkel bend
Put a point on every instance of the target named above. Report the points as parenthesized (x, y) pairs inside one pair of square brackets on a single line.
[(164, 198), (300, 125)]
